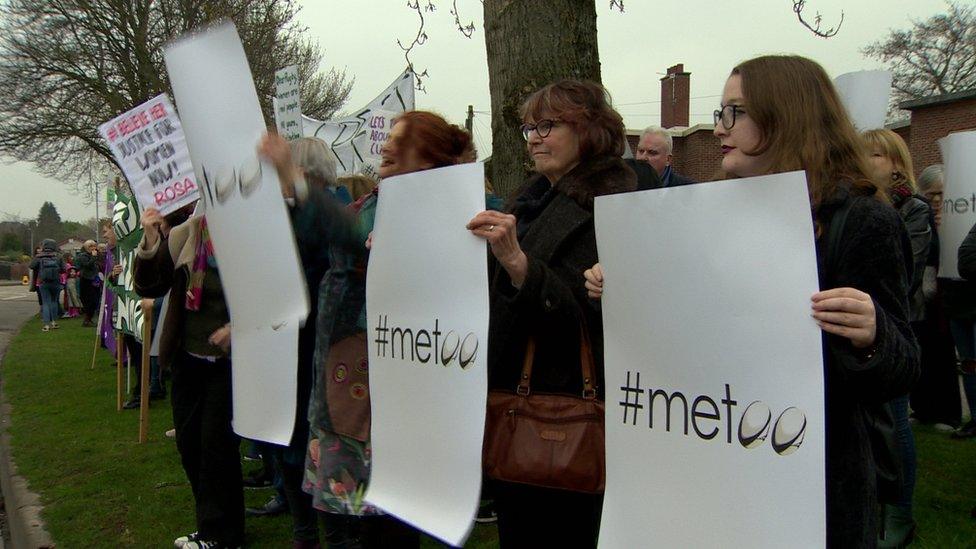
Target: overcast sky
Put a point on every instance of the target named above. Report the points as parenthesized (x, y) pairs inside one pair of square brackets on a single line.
[(636, 47)]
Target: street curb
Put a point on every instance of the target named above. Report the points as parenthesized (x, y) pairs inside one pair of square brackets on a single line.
[(23, 506)]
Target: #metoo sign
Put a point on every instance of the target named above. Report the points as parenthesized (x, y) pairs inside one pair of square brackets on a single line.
[(714, 369), (148, 144), (959, 204)]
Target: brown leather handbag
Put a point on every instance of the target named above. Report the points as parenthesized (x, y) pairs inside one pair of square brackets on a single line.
[(552, 441)]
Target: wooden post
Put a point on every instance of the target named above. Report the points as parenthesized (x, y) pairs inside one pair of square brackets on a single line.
[(118, 370), (147, 318)]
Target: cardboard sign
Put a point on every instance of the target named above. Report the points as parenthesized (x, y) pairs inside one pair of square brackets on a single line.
[(356, 141), (248, 222), (288, 107), (959, 203), (149, 146), (865, 95), (714, 369), (428, 349)]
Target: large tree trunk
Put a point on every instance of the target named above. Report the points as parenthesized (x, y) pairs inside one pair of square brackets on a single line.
[(531, 44)]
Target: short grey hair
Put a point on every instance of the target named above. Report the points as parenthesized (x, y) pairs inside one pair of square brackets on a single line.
[(313, 155), (929, 177), (658, 130)]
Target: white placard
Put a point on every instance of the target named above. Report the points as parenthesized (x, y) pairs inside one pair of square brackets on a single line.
[(427, 312), (708, 343), (356, 141), (287, 105), (959, 203), (149, 146), (865, 95), (248, 223)]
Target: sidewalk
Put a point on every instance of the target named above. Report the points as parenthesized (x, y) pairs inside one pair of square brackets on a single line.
[(23, 508)]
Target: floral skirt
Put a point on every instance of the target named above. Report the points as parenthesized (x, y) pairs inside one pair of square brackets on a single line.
[(337, 473)]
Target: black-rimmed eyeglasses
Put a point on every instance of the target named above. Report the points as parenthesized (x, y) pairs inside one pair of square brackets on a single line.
[(542, 127), (727, 114)]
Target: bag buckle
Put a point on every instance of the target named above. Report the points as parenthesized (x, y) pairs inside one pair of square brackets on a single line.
[(522, 390), (589, 394)]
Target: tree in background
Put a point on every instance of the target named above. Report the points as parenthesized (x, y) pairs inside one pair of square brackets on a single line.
[(934, 57), (48, 224), (67, 66)]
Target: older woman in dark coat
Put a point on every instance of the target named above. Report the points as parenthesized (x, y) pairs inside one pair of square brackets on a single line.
[(539, 249)]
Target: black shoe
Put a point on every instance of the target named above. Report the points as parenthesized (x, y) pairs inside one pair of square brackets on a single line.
[(258, 480), (273, 508), (486, 512), (132, 404), (966, 431)]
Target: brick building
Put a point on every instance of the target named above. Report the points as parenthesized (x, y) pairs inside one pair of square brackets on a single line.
[(697, 153), (934, 118)]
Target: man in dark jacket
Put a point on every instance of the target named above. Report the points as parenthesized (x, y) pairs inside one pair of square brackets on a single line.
[(46, 269), (86, 260), (655, 147)]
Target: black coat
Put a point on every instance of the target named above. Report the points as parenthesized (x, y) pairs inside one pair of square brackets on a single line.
[(556, 233), (967, 256), (875, 256)]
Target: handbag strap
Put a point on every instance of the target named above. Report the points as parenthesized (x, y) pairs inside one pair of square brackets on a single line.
[(586, 366)]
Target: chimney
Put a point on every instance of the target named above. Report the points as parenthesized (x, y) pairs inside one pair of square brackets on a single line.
[(675, 96)]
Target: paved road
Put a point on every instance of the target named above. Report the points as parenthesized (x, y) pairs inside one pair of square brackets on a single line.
[(16, 306)]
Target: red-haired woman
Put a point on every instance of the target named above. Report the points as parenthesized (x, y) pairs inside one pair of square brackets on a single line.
[(540, 246), (339, 450)]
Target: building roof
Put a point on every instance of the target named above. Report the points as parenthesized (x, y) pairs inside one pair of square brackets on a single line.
[(935, 100)]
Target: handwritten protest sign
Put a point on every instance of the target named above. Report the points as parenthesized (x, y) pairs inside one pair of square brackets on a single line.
[(288, 108), (959, 204), (356, 141), (149, 146), (429, 341), (714, 372)]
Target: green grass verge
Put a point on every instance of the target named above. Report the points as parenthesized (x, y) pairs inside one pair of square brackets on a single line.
[(100, 487)]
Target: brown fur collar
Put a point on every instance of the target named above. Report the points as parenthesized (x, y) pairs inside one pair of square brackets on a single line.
[(597, 177)]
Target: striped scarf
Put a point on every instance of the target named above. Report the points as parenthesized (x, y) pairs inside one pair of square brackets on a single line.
[(203, 258)]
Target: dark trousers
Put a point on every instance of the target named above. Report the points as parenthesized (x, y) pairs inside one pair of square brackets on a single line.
[(89, 294), (292, 471), (935, 398), (209, 449), (134, 348), (541, 517), (373, 532)]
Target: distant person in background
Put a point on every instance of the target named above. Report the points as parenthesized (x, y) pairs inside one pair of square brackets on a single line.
[(655, 147), (86, 260), (35, 284), (72, 296), (47, 267), (936, 399), (358, 185)]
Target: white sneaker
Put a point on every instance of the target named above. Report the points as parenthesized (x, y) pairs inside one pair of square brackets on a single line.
[(943, 428), (180, 542), (171, 433)]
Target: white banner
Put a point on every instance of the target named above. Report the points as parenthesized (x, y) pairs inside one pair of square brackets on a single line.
[(428, 349), (356, 141), (865, 95), (287, 104), (248, 222), (149, 146), (714, 369), (959, 204)]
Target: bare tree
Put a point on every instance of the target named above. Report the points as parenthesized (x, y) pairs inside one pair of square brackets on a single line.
[(66, 66), (935, 56)]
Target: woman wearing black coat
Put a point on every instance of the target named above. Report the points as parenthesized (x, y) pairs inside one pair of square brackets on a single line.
[(539, 248), (782, 113)]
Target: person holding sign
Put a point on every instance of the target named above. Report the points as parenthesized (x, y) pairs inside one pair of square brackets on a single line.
[(195, 342), (337, 466), (782, 113), (539, 310)]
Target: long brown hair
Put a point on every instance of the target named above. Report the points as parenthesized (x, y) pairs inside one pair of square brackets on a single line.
[(804, 125), (893, 146), (435, 139)]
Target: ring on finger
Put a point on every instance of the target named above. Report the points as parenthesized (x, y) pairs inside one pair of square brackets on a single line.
[(491, 228)]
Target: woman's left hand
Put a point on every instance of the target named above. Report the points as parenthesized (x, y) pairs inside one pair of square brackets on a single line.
[(846, 312), (500, 232), (221, 338)]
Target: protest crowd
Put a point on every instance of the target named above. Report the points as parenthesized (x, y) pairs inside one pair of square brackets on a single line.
[(887, 360)]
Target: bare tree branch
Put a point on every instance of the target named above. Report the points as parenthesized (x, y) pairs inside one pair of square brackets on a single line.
[(800, 5), (67, 66)]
